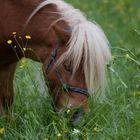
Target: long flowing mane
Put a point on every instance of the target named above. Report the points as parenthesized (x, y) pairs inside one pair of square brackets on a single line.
[(87, 45)]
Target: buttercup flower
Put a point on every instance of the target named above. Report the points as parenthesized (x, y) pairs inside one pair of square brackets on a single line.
[(135, 93), (24, 49), (2, 130), (9, 41), (21, 66), (59, 135), (14, 33), (28, 37), (127, 56), (68, 111), (95, 129)]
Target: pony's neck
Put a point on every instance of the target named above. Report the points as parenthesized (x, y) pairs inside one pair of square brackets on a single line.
[(42, 41), (27, 3)]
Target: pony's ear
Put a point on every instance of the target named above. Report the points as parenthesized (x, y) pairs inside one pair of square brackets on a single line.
[(62, 32)]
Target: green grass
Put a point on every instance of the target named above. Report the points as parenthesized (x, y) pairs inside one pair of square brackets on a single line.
[(116, 116)]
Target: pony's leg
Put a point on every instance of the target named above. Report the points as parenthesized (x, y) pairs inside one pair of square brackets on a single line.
[(6, 86)]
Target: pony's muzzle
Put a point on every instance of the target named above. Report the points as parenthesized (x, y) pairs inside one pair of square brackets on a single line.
[(77, 116)]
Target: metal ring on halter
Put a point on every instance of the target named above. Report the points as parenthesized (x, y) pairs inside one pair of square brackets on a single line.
[(66, 87)]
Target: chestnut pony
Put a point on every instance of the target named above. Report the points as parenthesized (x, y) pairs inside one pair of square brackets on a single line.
[(73, 50)]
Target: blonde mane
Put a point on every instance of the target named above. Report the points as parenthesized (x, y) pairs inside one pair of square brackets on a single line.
[(88, 44)]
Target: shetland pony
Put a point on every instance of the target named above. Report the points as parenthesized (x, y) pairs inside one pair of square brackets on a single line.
[(73, 50)]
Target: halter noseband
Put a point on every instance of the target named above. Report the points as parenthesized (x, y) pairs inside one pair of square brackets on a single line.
[(65, 86)]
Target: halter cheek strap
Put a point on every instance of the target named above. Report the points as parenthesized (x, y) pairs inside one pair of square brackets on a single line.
[(65, 86)]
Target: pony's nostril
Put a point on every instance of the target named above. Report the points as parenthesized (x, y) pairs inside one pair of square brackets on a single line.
[(77, 116)]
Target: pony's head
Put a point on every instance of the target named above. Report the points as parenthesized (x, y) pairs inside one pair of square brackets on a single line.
[(75, 69)]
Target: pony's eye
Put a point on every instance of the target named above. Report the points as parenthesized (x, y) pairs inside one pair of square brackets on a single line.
[(68, 67)]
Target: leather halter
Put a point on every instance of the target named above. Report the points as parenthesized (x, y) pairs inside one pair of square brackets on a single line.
[(65, 86)]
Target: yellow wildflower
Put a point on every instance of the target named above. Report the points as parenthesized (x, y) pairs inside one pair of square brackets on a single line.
[(14, 33), (21, 66), (59, 135), (28, 37), (9, 41), (95, 129), (2, 130), (135, 93), (24, 49), (127, 56), (68, 111)]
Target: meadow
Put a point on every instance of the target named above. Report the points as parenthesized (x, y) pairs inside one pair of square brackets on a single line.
[(114, 115)]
